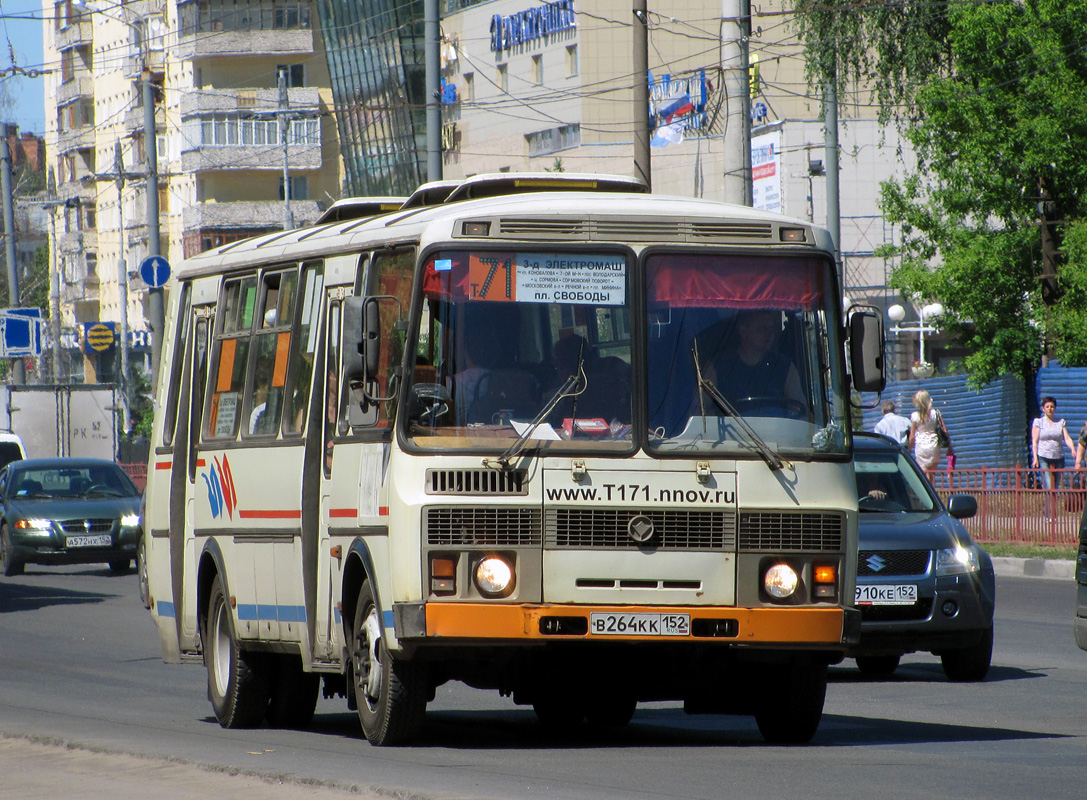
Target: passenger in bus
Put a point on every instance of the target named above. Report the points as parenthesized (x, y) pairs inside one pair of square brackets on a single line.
[(603, 394), (753, 372)]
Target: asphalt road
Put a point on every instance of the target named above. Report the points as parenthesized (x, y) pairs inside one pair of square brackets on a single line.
[(88, 709)]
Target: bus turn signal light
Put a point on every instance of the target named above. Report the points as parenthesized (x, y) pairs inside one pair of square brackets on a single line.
[(443, 575), (825, 575)]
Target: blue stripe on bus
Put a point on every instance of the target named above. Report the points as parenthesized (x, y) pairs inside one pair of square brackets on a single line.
[(249, 612), (165, 609)]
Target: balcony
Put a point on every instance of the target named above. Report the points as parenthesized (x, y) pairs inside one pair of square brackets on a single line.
[(256, 157), (75, 139), (78, 242), (134, 63), (74, 35), (244, 43), (247, 215), (75, 89), (82, 190), (146, 8), (225, 101), (133, 120)]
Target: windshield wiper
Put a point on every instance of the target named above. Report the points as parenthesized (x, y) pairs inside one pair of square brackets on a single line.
[(573, 382), (705, 385)]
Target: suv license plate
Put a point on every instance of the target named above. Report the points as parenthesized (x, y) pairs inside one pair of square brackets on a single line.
[(608, 624), (886, 594), (101, 540)]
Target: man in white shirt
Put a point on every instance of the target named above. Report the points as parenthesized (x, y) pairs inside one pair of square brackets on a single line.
[(893, 425)]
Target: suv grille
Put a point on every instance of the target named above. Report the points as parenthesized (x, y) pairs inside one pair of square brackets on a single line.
[(922, 609), (895, 562), (494, 527), (791, 530), (606, 529)]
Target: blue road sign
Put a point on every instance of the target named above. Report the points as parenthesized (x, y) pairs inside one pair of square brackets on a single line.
[(155, 271), (20, 332)]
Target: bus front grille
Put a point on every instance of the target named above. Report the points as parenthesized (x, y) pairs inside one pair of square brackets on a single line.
[(476, 482), (609, 529), (791, 530), (488, 527)]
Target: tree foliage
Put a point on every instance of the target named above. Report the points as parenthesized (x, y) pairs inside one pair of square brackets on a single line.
[(998, 90)]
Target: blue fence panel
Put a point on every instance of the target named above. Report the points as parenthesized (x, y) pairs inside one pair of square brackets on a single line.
[(1066, 385), (989, 428)]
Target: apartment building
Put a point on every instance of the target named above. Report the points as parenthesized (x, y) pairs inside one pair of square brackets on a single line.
[(225, 76)]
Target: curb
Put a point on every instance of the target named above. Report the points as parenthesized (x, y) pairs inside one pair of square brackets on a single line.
[(1051, 568)]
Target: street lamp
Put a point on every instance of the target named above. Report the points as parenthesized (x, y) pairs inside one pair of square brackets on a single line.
[(922, 368)]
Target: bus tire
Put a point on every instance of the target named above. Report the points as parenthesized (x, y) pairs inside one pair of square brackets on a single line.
[(141, 574), (610, 710), (391, 695), (12, 565), (791, 702), (878, 666), (293, 694), (238, 683)]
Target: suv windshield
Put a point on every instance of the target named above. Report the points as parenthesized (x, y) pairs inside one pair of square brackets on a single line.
[(531, 344), (888, 483)]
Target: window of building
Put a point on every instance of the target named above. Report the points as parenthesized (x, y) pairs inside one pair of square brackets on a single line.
[(233, 131), (571, 61), (299, 188), (296, 75), (537, 69), (551, 140), (503, 78), (207, 16)]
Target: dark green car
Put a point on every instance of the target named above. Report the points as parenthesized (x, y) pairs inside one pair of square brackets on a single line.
[(67, 511)]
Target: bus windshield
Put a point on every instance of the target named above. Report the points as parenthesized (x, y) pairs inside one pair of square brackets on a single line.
[(528, 343), (743, 354)]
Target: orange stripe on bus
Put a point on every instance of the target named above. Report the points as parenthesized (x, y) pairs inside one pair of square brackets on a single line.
[(342, 512), (226, 365), (755, 625), (274, 513), (201, 462), (383, 511), (164, 464), (279, 371)]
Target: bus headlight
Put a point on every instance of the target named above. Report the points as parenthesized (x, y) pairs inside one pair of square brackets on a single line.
[(780, 581), (494, 577)]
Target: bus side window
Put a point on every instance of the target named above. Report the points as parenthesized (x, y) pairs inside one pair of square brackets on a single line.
[(391, 275), (305, 348), (331, 415), (271, 350), (174, 386), (229, 359)]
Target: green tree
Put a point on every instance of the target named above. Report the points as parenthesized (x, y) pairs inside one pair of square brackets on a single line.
[(991, 96)]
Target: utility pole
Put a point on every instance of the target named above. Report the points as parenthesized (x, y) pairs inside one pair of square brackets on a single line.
[(642, 156), (737, 136), (51, 204), (122, 282), (433, 92), (830, 134), (156, 310), (18, 369), (284, 130), (744, 25)]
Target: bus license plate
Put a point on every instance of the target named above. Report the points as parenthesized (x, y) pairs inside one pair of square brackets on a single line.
[(101, 540), (886, 594), (608, 624)]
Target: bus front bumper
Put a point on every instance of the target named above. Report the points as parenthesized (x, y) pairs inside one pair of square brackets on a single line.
[(817, 627)]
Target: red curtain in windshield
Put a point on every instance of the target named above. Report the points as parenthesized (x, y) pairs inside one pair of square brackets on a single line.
[(723, 281)]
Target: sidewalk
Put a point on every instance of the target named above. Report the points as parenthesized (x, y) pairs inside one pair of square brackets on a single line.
[(1052, 568)]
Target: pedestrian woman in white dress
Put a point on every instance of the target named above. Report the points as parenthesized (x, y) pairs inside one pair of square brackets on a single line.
[(923, 441), (1045, 445)]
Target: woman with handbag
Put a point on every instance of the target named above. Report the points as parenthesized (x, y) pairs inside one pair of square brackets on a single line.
[(926, 424), (1045, 439)]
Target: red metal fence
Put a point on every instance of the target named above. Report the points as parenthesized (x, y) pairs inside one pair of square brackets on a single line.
[(1015, 507), (138, 473)]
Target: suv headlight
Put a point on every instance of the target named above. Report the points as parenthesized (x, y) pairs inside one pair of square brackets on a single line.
[(130, 521), (957, 560)]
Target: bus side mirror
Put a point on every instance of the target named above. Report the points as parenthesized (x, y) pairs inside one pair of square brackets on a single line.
[(362, 339), (370, 346), (352, 345), (866, 349)]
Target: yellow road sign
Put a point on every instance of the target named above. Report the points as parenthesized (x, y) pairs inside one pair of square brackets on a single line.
[(99, 337)]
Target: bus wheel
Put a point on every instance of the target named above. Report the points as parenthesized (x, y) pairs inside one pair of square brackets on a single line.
[(610, 710), (141, 573), (391, 695), (878, 666), (237, 679), (293, 696), (791, 702)]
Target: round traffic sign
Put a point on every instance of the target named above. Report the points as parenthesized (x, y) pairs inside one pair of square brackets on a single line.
[(155, 271), (100, 337)]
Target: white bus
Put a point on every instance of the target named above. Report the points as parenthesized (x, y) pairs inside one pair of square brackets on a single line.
[(576, 443)]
